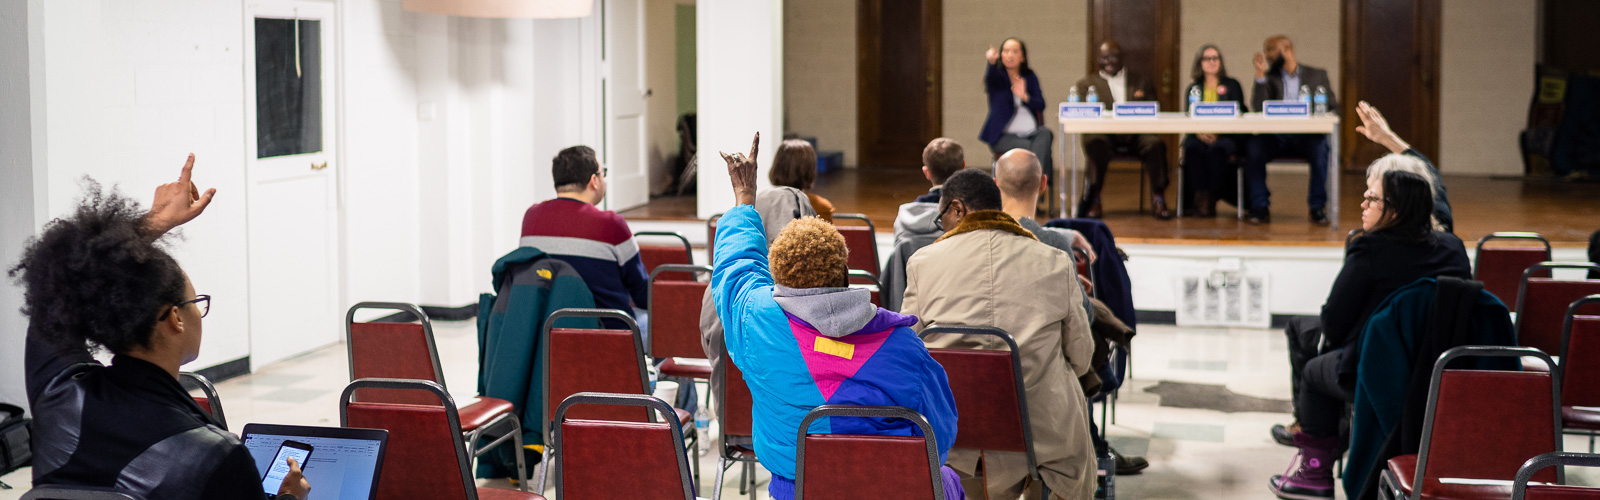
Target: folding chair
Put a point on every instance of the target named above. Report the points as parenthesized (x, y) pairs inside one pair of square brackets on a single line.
[(426, 457), (1542, 303), (993, 418), (62, 492), (208, 400), (862, 241), (737, 420), (1522, 490), (408, 351), (711, 238), (586, 457), (1479, 426), (1580, 372), (866, 466), (1500, 267), (675, 320), (869, 281), (609, 361), (655, 256)]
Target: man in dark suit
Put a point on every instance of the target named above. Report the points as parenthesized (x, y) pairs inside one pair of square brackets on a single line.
[(1280, 76), (1112, 84)]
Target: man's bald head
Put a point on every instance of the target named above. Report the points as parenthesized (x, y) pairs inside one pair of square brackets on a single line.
[(1018, 172)]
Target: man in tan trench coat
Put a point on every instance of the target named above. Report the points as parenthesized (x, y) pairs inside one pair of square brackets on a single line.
[(988, 271)]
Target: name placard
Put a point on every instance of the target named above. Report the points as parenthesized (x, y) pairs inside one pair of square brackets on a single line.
[(1225, 109), (1136, 109), (1287, 109), (1082, 109)]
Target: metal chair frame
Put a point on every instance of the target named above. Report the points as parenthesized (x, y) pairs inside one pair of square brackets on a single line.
[(1390, 486), (688, 250), (711, 238), (871, 229), (1566, 340), (628, 400), (1522, 288), (1511, 235), (1016, 374), (213, 401), (463, 458), (64, 492), (868, 412), (729, 454), (1519, 488)]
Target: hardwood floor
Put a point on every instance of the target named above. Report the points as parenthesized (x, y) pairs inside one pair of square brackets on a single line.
[(1565, 213)]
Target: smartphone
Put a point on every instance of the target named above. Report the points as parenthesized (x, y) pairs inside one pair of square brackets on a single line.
[(273, 479)]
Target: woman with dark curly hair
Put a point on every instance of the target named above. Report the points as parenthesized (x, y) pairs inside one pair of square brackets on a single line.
[(100, 279)]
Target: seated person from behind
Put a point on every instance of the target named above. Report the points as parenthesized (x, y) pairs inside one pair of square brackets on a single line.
[(914, 224), (99, 278), (805, 339), (795, 167), (988, 271), (597, 243)]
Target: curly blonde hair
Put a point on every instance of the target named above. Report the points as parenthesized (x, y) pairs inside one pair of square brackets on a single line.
[(809, 253)]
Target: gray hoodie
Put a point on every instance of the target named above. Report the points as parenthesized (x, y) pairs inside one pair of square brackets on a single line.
[(913, 229)]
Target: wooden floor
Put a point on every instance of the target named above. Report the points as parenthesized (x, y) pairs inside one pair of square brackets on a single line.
[(1565, 213)]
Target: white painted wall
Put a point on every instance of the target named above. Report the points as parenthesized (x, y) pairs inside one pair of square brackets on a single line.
[(740, 90), (1485, 84)]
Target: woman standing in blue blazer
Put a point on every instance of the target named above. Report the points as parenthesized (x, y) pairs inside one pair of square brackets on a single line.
[(1016, 104)]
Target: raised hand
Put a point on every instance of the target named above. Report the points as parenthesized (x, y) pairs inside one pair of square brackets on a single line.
[(177, 202), (1260, 61), (742, 173), (992, 55), (1377, 129)]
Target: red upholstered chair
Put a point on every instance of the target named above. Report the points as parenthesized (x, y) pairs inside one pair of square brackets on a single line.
[(426, 457), (866, 466), (657, 255), (1500, 267), (711, 238), (208, 400), (1522, 490), (675, 319), (1580, 371), (738, 430), (1480, 425), (992, 418), (609, 361), (407, 351), (589, 467), (61, 492), (1542, 303), (862, 279), (862, 240)]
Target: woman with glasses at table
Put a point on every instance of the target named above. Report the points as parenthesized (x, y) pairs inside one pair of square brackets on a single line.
[(1206, 157), (101, 279)]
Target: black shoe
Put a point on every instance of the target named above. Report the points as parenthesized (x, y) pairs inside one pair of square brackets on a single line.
[(1281, 434), (1259, 216), (1319, 217), (1129, 465)]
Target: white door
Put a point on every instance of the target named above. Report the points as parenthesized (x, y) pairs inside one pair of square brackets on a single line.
[(292, 209), (623, 94)]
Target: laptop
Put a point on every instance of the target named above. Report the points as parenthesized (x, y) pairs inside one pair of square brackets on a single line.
[(342, 463)]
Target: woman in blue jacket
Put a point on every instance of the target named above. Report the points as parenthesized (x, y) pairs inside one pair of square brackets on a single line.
[(1016, 104)]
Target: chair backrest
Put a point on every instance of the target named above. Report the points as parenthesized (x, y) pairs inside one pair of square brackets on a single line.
[(1542, 303), (1521, 490), (585, 360), (208, 401), (392, 350), (1580, 356), (657, 255), (866, 466), (426, 457), (711, 238), (1081, 261), (860, 277), (862, 240), (1483, 424), (602, 459), (736, 412), (994, 418), (61, 492), (1500, 267), (675, 311)]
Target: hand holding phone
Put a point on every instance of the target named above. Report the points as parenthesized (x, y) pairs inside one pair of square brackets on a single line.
[(283, 475)]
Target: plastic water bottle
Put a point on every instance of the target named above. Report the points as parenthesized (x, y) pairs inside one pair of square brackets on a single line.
[(1194, 97), (1321, 100), (1305, 94), (1092, 96), (1072, 95), (702, 427)]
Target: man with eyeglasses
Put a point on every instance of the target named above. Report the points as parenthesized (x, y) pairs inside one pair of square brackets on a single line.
[(597, 243)]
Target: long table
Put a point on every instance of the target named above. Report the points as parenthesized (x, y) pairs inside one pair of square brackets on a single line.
[(1181, 123)]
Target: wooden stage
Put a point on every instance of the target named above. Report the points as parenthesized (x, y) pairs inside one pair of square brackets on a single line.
[(1565, 213)]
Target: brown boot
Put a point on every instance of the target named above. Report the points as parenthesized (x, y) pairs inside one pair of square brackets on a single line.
[(1204, 205), (1158, 207)]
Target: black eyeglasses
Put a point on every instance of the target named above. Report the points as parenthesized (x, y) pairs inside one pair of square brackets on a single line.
[(202, 301), (604, 172), (1372, 199), (938, 222), (1210, 58)]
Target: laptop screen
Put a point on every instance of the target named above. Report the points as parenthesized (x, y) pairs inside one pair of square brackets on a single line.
[(343, 464)]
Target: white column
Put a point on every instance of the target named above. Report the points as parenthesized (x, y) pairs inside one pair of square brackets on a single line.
[(740, 89), (22, 180)]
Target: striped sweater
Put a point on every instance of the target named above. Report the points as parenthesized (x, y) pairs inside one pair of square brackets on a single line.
[(597, 243)]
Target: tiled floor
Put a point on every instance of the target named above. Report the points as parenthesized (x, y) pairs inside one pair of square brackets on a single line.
[(1194, 452)]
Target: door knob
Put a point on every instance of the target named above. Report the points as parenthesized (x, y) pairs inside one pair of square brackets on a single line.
[(319, 166)]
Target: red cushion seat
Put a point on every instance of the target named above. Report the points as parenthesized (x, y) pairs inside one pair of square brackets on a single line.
[(1404, 468), (483, 411), (1580, 418), (672, 368)]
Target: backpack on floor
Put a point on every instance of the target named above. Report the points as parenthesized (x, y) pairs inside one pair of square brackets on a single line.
[(15, 451)]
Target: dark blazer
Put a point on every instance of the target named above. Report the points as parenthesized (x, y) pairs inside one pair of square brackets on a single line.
[(1001, 105), (1228, 89), (1377, 264), (1310, 76), (1136, 84)]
